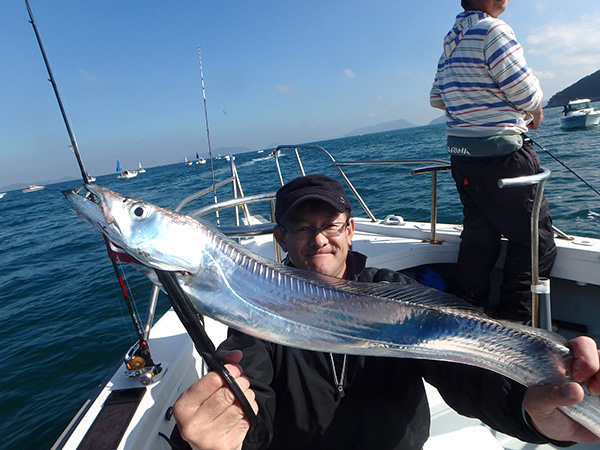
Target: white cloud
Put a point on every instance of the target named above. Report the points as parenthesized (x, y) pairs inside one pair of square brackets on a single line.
[(88, 77), (544, 75), (349, 74), (286, 88), (568, 44)]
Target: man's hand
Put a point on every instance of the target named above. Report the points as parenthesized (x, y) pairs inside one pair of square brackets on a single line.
[(208, 415), (537, 118), (542, 402)]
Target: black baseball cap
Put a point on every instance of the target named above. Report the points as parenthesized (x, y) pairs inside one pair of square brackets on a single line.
[(310, 187)]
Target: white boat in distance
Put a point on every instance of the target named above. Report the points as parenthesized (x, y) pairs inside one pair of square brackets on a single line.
[(579, 113), (133, 409), (140, 168), (188, 162), (124, 174), (127, 174), (34, 187)]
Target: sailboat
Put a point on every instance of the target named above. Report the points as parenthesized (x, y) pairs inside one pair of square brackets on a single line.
[(188, 163), (200, 160), (140, 168), (125, 173)]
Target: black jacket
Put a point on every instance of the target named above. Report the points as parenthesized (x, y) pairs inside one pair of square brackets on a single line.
[(384, 405)]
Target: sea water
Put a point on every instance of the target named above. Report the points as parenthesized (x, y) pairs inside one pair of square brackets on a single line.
[(63, 322)]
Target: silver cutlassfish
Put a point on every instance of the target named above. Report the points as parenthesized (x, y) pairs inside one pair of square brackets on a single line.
[(303, 309)]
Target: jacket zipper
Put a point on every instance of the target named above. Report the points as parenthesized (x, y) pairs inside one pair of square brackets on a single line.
[(339, 383)]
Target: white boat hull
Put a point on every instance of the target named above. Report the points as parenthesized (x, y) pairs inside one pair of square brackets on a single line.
[(33, 188), (127, 174), (581, 121)]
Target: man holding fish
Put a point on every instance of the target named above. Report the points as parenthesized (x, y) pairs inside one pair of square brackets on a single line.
[(306, 399)]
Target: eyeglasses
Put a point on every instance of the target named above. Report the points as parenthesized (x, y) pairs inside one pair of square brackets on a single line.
[(330, 230)]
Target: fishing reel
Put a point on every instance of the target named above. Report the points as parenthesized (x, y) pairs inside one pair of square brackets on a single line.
[(139, 364)]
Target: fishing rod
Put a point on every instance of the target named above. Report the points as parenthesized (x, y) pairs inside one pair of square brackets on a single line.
[(140, 360), (557, 159), (212, 169), (74, 146)]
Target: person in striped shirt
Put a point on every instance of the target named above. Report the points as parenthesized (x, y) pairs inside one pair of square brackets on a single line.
[(491, 98)]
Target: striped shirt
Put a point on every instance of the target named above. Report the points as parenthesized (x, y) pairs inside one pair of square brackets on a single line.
[(482, 79)]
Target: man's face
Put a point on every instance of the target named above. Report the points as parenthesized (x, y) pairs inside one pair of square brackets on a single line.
[(493, 7), (326, 255)]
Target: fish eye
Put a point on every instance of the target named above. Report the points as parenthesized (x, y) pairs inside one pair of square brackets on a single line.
[(139, 211)]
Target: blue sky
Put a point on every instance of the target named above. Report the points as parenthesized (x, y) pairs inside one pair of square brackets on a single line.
[(275, 72)]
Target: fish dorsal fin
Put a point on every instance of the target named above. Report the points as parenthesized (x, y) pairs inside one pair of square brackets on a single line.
[(413, 293), (539, 332)]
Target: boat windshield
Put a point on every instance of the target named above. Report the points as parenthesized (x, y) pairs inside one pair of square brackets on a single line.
[(578, 106)]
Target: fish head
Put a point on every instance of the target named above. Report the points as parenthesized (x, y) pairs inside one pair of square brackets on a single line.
[(154, 236)]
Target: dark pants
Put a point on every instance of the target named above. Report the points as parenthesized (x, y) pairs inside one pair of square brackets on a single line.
[(491, 212)]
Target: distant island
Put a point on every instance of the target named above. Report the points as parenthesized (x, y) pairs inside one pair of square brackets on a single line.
[(384, 126), (587, 87)]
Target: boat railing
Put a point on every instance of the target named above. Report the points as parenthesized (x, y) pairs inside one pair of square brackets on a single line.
[(434, 171), (434, 166), (540, 287), (239, 201)]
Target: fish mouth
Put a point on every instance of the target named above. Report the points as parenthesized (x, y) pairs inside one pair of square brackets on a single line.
[(100, 196), (94, 195)]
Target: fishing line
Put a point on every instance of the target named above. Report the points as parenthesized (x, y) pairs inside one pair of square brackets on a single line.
[(127, 288), (557, 159), (212, 169)]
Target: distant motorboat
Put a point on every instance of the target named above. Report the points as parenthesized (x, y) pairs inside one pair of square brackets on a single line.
[(91, 178), (2, 194), (579, 113), (34, 187)]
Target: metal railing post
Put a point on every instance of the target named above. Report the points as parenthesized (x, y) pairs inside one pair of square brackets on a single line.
[(540, 289)]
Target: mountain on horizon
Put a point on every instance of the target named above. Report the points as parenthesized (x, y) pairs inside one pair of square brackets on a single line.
[(381, 127), (587, 87)]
